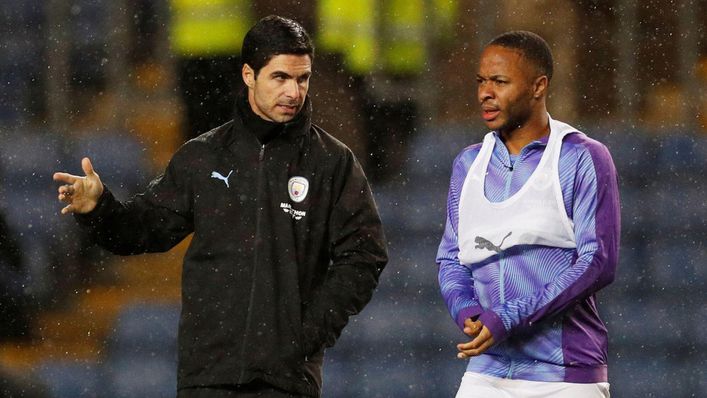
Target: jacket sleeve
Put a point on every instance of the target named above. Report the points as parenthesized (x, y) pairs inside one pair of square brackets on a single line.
[(596, 216), (153, 221), (455, 280), (358, 255)]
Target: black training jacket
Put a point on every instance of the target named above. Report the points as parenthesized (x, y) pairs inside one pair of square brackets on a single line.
[(273, 271)]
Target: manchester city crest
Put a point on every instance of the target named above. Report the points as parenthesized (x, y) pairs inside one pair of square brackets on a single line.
[(297, 187)]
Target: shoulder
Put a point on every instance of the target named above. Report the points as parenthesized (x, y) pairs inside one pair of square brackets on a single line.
[(214, 138), (218, 136), (326, 143), (467, 156), (202, 148), (579, 144), (583, 146), (462, 164)]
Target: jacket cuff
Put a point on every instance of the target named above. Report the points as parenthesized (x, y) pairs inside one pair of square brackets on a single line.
[(469, 312), (92, 217), (495, 325)]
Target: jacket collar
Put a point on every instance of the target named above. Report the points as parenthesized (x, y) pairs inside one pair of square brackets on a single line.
[(247, 121)]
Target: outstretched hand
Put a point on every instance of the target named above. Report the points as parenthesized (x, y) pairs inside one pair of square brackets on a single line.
[(482, 340), (81, 193)]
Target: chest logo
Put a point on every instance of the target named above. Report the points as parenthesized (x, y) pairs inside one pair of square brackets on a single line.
[(483, 243), (296, 214), (297, 187), (216, 174)]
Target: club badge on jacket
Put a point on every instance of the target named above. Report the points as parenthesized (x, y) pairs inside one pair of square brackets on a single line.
[(297, 188)]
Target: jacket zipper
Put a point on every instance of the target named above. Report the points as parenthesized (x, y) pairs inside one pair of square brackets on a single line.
[(501, 259), (261, 158)]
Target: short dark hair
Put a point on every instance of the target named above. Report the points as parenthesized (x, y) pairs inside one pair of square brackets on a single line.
[(271, 36), (533, 47)]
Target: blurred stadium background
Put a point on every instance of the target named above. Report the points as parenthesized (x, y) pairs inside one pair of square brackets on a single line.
[(394, 80)]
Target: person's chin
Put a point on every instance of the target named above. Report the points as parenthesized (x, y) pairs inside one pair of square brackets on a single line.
[(493, 125), (282, 115), (285, 118)]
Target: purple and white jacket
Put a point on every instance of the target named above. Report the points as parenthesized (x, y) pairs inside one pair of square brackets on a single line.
[(553, 333)]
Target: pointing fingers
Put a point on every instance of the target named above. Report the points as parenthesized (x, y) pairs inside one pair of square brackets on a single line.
[(79, 193), (87, 166), (65, 178)]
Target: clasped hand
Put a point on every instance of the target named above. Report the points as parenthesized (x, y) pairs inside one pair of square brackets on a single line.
[(481, 340)]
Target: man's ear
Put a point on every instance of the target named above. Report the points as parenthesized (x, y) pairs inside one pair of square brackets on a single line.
[(540, 86), (248, 75)]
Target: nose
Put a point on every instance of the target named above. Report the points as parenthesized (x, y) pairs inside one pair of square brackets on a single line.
[(485, 92), (292, 89)]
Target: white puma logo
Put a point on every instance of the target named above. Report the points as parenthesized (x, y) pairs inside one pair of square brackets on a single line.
[(216, 174)]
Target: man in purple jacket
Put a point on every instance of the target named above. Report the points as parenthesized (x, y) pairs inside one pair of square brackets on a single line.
[(532, 234)]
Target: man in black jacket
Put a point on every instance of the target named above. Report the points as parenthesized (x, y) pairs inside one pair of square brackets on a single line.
[(287, 240)]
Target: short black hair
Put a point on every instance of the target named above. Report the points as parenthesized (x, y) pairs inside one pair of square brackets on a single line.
[(533, 47), (271, 36)]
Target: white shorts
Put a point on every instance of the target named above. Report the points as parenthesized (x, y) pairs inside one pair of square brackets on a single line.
[(475, 385)]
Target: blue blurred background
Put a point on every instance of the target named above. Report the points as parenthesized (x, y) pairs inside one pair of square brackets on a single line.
[(394, 80)]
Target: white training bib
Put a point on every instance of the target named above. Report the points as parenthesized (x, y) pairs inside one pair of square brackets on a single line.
[(535, 215)]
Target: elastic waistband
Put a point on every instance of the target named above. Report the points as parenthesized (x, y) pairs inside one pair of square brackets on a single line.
[(534, 370)]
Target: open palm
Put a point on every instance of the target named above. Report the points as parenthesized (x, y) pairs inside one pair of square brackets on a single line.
[(80, 193)]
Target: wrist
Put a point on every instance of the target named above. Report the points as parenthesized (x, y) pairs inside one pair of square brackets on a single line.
[(472, 313)]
